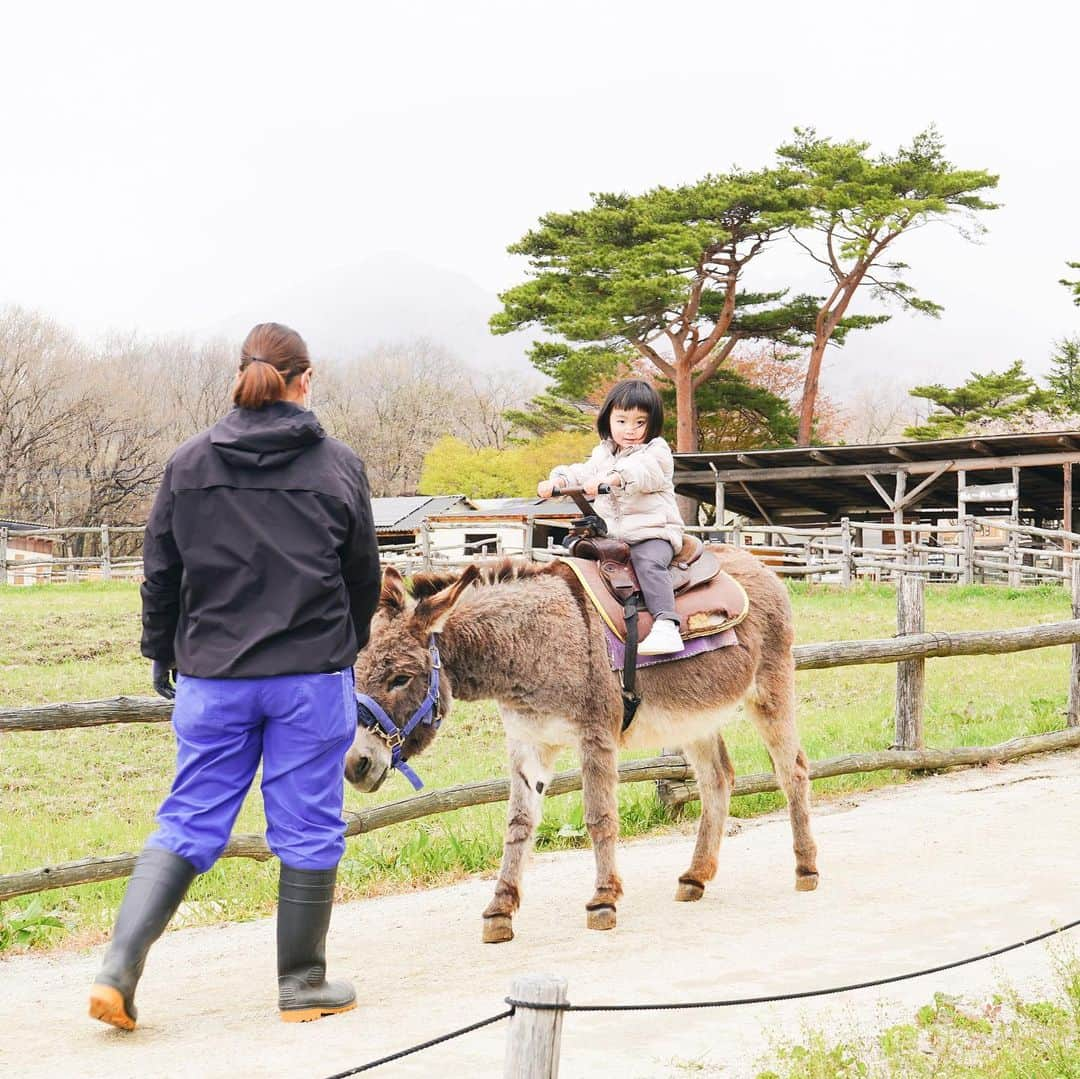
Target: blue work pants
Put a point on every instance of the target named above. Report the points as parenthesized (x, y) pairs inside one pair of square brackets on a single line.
[(299, 725)]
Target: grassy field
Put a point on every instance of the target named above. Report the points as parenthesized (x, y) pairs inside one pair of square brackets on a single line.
[(79, 793)]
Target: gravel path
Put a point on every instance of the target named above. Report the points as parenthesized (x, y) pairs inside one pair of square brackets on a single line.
[(912, 876)]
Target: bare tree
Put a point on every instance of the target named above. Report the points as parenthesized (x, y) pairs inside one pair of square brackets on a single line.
[(392, 404), (488, 396), (39, 403)]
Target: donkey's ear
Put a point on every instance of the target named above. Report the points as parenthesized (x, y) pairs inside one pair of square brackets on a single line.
[(432, 612), (392, 596)]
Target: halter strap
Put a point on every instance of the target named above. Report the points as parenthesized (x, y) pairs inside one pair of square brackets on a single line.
[(372, 715)]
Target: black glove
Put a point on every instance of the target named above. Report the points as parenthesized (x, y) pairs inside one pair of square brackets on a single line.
[(163, 680)]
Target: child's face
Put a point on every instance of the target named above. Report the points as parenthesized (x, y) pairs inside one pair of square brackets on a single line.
[(628, 426)]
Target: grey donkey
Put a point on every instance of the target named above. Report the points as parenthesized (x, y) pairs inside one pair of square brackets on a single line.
[(527, 637)]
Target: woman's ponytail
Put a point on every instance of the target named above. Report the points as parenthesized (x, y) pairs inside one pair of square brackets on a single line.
[(272, 356)]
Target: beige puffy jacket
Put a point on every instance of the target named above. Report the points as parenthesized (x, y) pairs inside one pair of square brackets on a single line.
[(644, 506)]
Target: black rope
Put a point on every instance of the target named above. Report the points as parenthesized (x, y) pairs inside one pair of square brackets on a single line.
[(734, 1002), (730, 1003), (425, 1045)]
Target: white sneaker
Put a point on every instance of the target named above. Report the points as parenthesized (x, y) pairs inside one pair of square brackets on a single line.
[(663, 639)]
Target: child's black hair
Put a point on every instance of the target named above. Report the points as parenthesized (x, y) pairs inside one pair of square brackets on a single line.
[(632, 394)]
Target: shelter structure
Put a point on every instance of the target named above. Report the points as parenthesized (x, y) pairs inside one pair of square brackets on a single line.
[(16, 547), (511, 525), (1022, 477), (401, 520)]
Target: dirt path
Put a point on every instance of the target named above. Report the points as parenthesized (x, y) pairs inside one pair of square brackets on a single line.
[(911, 877)]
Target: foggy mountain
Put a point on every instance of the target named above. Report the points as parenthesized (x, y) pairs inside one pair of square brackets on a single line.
[(343, 311)]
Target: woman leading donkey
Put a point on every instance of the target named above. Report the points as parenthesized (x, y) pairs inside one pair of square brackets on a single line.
[(261, 576)]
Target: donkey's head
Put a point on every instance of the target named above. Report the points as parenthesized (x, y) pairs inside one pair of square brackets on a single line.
[(396, 671)]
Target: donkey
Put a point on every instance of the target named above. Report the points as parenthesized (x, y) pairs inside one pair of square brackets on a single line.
[(527, 636)]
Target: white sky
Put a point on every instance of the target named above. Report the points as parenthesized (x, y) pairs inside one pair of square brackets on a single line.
[(195, 167)]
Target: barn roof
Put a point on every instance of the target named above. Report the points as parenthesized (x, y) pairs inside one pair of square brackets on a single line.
[(819, 483)]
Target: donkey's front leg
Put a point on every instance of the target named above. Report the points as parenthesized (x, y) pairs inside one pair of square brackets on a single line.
[(599, 781), (530, 774)]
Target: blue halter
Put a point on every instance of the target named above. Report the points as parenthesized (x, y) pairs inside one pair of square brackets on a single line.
[(372, 715)]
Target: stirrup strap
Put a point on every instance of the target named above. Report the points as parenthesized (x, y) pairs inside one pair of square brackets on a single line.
[(630, 699)]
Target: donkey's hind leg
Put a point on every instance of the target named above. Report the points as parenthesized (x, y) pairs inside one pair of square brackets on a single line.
[(772, 707), (715, 777), (530, 774)]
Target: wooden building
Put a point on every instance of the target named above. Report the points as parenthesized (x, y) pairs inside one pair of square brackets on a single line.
[(1024, 478)]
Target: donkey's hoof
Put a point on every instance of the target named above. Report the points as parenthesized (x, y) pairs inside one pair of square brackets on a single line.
[(805, 882), (601, 918), (689, 891), (498, 929)]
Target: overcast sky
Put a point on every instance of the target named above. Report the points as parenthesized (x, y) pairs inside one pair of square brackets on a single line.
[(198, 167)]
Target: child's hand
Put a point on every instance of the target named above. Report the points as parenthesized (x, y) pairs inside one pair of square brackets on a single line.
[(590, 488), (544, 489)]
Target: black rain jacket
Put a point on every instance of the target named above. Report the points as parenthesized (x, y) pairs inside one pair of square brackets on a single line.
[(260, 556)]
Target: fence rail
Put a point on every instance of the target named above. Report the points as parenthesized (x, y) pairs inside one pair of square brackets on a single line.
[(972, 549), (909, 650)]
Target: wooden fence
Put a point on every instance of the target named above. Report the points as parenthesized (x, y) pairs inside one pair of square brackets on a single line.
[(972, 550), (909, 650)]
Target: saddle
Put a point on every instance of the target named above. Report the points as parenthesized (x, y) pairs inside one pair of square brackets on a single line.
[(707, 599)]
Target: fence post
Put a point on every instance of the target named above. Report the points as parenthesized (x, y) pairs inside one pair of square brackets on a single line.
[(910, 673), (845, 552), (425, 544), (70, 573), (736, 533), (969, 551), (106, 554), (3, 556), (1073, 714), (532, 1044)]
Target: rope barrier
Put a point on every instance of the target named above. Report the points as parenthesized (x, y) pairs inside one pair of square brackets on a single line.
[(425, 1045), (736, 1001), (729, 1003)]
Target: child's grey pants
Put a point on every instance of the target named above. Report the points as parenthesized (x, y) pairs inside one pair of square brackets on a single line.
[(651, 559)]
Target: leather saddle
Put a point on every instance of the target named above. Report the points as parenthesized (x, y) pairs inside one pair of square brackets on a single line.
[(706, 598)]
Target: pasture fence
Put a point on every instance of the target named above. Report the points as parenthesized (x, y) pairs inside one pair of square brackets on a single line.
[(969, 550), (909, 650)]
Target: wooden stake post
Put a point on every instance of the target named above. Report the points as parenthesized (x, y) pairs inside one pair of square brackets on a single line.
[(910, 673), (1072, 718), (532, 1044)]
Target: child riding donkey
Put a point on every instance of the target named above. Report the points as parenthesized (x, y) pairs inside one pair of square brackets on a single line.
[(635, 462)]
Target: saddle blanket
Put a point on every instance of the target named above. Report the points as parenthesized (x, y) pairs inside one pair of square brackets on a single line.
[(694, 647)]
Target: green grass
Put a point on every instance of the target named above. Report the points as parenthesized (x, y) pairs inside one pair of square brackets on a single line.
[(74, 794), (1004, 1037)]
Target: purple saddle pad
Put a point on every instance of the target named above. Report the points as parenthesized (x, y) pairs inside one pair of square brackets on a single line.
[(694, 647)]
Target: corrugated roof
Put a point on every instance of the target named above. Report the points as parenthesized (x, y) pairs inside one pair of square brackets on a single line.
[(406, 514), (512, 508), (19, 526)]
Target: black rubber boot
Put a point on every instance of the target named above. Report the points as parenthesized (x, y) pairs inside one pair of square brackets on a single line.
[(305, 899), (158, 884)]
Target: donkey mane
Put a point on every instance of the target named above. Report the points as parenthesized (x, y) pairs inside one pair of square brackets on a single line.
[(422, 585)]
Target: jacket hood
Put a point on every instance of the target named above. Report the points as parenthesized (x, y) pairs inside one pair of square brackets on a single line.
[(266, 437)]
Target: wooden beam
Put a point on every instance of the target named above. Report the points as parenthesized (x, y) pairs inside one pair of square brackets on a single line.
[(1067, 503), (880, 490), (768, 474), (757, 505), (912, 495)]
